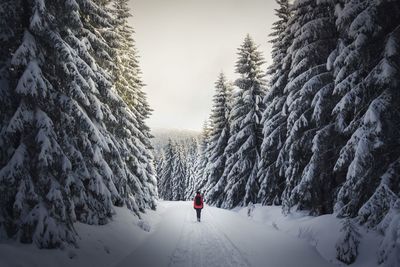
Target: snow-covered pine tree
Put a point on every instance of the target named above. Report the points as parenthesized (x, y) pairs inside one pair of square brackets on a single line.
[(36, 172), (166, 177), (272, 182), (63, 131), (114, 166), (132, 161), (191, 168), (367, 81), (158, 162), (218, 191), (200, 180), (347, 244), (179, 173), (383, 199), (389, 250), (10, 34), (128, 83), (219, 136), (310, 84), (127, 73), (244, 144)]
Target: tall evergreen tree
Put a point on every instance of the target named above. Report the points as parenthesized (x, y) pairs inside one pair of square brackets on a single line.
[(308, 102), (201, 179), (165, 178), (38, 170), (192, 162), (158, 162), (179, 173), (131, 161), (272, 181), (128, 83), (367, 81), (243, 149), (219, 136), (68, 150), (127, 70), (10, 34)]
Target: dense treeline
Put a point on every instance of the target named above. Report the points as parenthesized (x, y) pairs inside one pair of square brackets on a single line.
[(324, 134), (177, 169), (330, 125), (73, 141)]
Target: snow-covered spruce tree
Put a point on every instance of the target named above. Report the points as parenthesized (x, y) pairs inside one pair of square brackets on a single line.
[(200, 180), (56, 170), (389, 250), (192, 156), (218, 191), (166, 177), (36, 172), (272, 181), (158, 162), (219, 136), (132, 161), (179, 173), (243, 149), (304, 154), (96, 24), (367, 81), (347, 244), (383, 199), (127, 71), (10, 34), (318, 185)]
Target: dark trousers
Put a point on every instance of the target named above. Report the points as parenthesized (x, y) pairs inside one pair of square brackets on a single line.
[(198, 212)]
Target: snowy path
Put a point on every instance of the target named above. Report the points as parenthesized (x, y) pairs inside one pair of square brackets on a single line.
[(223, 238)]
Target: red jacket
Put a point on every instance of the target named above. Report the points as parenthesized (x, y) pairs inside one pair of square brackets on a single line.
[(201, 202)]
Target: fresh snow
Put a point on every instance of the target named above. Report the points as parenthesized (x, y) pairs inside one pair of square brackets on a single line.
[(321, 232), (98, 245), (171, 236)]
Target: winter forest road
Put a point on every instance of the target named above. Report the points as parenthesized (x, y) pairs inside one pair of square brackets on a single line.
[(222, 238)]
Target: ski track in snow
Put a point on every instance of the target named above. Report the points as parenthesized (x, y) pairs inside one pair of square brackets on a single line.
[(181, 241), (202, 244)]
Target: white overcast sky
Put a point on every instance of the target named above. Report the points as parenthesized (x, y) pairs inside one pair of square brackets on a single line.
[(184, 44)]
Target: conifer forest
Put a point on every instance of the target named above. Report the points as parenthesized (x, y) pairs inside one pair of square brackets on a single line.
[(313, 132)]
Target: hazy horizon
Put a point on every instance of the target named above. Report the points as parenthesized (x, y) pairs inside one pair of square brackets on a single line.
[(184, 44)]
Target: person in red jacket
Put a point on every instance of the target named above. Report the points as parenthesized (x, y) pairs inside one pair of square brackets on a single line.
[(198, 204)]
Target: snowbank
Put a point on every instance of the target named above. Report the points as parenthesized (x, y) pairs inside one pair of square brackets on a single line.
[(98, 245), (322, 232), (223, 238)]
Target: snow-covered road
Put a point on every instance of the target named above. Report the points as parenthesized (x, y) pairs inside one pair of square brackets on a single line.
[(222, 238), (171, 236)]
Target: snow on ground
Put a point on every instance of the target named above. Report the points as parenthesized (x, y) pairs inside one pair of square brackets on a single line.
[(321, 232), (171, 236), (98, 245)]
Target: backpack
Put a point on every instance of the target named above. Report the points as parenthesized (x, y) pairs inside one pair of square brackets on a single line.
[(198, 200)]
